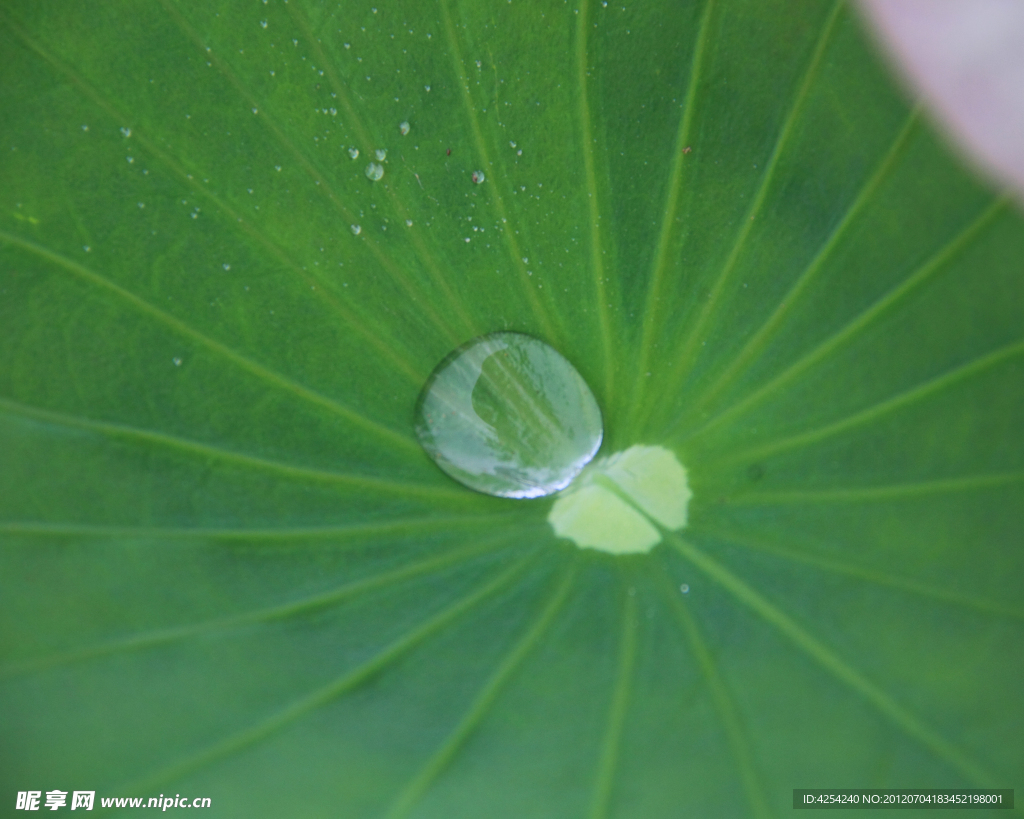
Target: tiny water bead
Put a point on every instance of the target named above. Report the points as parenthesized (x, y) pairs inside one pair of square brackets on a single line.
[(508, 415)]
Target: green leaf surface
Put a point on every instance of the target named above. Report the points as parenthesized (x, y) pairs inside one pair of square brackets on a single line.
[(229, 570)]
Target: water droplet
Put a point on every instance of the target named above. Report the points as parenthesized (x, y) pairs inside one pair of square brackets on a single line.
[(507, 415), (478, 177), (381, 154), (356, 229), (403, 128), (354, 153), (374, 171), (685, 588)]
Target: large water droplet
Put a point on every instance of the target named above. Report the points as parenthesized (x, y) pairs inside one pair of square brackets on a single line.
[(506, 414)]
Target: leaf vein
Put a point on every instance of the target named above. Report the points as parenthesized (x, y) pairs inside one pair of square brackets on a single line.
[(345, 683), (618, 706), (922, 391), (182, 328), (835, 666), (688, 350), (415, 789), (760, 338), (864, 319)]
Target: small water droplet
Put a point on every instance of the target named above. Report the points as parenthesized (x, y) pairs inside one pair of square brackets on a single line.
[(354, 153), (478, 177), (685, 588), (381, 154), (356, 229), (177, 361), (374, 171), (507, 415), (403, 128)]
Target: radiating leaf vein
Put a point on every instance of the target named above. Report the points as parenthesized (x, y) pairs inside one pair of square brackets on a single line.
[(887, 492), (863, 320), (688, 349), (657, 278), (323, 696), (442, 757), (456, 305), (540, 313), (234, 220), (210, 452), (618, 705), (868, 574), (601, 294), (921, 392), (395, 271), (760, 338), (725, 706), (150, 639), (834, 665), (393, 438)]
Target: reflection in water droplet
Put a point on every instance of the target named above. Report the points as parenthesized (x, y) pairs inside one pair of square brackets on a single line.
[(507, 415)]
